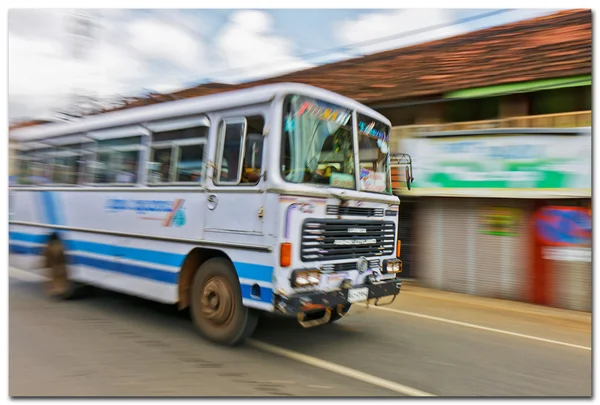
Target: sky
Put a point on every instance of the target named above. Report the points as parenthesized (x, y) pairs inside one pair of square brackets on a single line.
[(130, 52)]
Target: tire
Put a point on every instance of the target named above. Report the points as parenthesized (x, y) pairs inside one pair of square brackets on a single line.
[(336, 317), (216, 308), (59, 286)]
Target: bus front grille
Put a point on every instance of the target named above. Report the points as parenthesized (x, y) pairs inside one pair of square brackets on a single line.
[(341, 239)]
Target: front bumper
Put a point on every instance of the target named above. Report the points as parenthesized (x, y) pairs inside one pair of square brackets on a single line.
[(309, 301)]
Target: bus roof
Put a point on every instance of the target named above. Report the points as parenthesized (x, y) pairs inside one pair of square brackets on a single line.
[(186, 107)]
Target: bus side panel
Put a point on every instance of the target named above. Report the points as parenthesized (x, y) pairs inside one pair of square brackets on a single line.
[(136, 266), (26, 243)]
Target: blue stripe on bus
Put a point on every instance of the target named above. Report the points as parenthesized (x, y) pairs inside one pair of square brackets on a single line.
[(142, 255), (126, 268), (253, 271), (256, 272), (27, 237), (49, 208), (266, 293)]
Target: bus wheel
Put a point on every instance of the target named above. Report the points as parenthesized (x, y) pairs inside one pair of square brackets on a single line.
[(216, 308), (335, 316), (59, 286)]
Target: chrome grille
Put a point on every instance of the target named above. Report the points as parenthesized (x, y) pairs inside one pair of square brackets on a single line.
[(354, 211), (374, 264), (340, 239)]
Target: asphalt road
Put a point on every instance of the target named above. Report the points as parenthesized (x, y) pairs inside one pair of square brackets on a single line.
[(113, 345)]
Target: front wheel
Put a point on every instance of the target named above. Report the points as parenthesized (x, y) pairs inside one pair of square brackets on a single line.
[(217, 309)]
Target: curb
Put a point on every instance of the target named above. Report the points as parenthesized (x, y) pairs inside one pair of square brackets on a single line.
[(413, 287)]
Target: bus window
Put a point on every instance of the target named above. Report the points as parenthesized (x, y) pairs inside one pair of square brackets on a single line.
[(160, 168), (253, 158), (240, 159), (177, 155), (67, 164), (189, 163), (117, 161)]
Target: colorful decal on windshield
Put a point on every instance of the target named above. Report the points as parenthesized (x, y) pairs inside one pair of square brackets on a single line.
[(341, 180), (331, 114), (383, 146), (372, 181), (370, 130)]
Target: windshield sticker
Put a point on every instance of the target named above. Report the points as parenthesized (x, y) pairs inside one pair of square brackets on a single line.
[(370, 130), (383, 146), (372, 181), (340, 117), (290, 125), (341, 180)]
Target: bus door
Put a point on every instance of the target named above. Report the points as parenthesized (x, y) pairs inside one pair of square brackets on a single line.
[(236, 190)]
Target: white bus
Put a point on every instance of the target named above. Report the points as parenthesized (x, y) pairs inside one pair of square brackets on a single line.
[(275, 198)]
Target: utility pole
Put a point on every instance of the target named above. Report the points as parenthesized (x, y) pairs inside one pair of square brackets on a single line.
[(82, 28)]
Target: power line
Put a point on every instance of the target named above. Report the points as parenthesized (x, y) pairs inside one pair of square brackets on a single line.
[(345, 48)]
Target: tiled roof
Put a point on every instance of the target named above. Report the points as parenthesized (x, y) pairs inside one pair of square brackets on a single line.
[(27, 124)]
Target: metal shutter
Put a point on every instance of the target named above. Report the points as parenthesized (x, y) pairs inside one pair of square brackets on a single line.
[(455, 246)]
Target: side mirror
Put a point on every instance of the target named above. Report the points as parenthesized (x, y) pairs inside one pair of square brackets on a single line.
[(404, 159)]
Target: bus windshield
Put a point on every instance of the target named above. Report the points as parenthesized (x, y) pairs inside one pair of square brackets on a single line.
[(318, 145), (373, 155)]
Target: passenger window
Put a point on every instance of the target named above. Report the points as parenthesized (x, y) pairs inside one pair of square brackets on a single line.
[(117, 161), (189, 164), (68, 163), (160, 165), (241, 150), (177, 156), (32, 170)]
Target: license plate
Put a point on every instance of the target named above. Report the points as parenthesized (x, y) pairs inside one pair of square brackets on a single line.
[(358, 294)]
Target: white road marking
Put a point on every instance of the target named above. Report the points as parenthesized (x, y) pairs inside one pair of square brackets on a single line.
[(336, 368), (302, 358), (24, 275), (473, 326)]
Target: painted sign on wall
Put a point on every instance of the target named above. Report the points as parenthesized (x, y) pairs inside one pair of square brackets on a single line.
[(502, 165), (499, 221), (565, 233)]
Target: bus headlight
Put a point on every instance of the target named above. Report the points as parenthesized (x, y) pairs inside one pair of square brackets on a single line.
[(305, 278), (392, 266)]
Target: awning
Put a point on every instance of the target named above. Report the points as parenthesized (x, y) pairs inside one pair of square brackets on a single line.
[(522, 87)]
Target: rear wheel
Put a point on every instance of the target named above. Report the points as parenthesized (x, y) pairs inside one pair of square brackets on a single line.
[(217, 309), (59, 286)]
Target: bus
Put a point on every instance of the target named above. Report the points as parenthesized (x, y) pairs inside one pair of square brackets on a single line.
[(276, 199)]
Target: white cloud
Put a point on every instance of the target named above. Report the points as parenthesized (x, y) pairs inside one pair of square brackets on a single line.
[(250, 43), (43, 71), (160, 40), (372, 27)]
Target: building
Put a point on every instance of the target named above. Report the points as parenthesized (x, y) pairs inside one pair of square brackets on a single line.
[(474, 238)]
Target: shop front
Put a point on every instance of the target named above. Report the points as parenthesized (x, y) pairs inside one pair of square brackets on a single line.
[(479, 202)]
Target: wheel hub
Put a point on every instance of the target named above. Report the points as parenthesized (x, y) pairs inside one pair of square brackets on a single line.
[(217, 301)]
